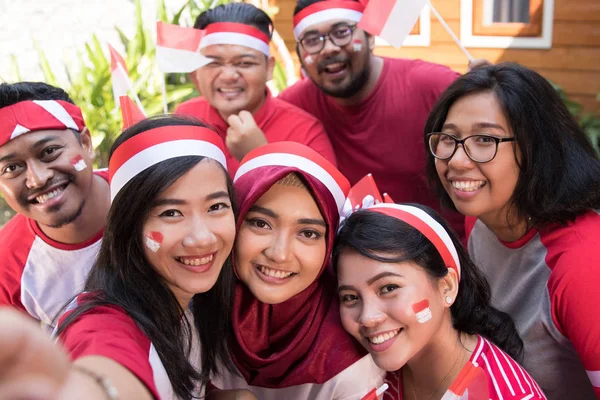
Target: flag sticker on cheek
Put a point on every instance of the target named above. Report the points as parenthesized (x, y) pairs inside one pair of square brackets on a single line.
[(78, 163), (308, 60), (422, 311), (153, 241), (357, 45)]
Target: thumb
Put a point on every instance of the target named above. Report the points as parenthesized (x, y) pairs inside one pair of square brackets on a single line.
[(235, 122), (246, 118)]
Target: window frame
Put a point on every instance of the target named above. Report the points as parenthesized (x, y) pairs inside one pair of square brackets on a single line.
[(423, 38)]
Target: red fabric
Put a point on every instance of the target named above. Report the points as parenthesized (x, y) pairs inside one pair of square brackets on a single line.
[(574, 287), (235, 27), (28, 116), (278, 120), (502, 376), (16, 239), (110, 332), (383, 135), (291, 343)]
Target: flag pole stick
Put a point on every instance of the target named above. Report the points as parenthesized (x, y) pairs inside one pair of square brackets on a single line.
[(163, 87), (130, 87), (445, 25)]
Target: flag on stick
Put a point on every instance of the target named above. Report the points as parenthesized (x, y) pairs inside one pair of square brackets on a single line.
[(119, 76), (391, 20), (177, 48), (130, 112)]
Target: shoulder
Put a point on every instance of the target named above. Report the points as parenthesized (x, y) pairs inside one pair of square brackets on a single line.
[(357, 379), (285, 109), (102, 173), (300, 93), (508, 378), (422, 73), (192, 106), (16, 239)]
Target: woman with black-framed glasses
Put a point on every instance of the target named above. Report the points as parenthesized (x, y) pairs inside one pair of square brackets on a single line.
[(536, 203)]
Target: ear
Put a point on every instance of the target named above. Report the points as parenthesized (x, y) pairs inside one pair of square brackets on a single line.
[(270, 67), (371, 40), (86, 143), (194, 78), (448, 287)]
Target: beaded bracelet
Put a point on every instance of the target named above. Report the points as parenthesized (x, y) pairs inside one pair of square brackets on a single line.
[(111, 392)]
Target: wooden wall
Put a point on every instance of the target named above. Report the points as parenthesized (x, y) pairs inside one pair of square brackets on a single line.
[(573, 62)]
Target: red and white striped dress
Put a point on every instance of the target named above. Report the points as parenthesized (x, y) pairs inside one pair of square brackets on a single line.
[(490, 374)]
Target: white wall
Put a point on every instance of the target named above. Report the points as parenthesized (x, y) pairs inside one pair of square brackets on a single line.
[(62, 26)]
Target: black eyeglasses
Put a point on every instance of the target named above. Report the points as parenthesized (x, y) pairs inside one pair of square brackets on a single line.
[(479, 148), (341, 36)]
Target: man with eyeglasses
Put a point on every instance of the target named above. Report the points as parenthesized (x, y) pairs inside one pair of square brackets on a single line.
[(235, 99), (373, 108)]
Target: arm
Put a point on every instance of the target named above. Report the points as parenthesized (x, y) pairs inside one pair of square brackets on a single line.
[(574, 292)]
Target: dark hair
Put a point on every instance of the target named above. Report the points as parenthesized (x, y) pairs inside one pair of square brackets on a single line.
[(12, 93), (559, 171), (243, 13), (368, 232), (121, 275)]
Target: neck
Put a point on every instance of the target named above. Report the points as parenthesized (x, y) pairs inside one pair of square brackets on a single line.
[(438, 364), (375, 68), (92, 219), (507, 226)]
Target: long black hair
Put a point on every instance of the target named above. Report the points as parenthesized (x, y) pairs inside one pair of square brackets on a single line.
[(370, 233), (122, 276), (242, 13), (559, 170)]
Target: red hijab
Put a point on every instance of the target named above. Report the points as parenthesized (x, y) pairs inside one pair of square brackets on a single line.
[(300, 340)]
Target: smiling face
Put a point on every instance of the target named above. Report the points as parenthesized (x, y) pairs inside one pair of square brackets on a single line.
[(42, 175), (281, 245), (381, 305), (483, 190), (236, 78), (189, 232), (338, 71)]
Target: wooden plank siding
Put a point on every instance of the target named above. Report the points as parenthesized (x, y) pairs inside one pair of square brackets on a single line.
[(573, 62)]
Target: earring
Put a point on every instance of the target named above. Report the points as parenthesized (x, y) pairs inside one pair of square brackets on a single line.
[(449, 300)]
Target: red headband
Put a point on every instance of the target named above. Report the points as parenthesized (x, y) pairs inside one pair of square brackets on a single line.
[(326, 10), (38, 115), (151, 147)]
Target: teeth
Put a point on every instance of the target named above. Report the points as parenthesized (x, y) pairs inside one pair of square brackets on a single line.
[(226, 90), (47, 196), (196, 261), (274, 273), (467, 186), (383, 337)]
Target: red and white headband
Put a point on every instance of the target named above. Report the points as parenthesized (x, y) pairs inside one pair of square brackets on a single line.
[(38, 115), (292, 154), (428, 226), (235, 33), (156, 145), (327, 10)]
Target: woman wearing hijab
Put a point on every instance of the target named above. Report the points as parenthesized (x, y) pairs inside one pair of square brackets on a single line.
[(288, 340)]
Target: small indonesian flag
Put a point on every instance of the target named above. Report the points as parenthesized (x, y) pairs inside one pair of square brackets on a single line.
[(422, 311), (154, 240), (391, 20), (130, 112), (118, 74), (375, 393), (387, 199), (78, 163), (470, 384), (177, 48)]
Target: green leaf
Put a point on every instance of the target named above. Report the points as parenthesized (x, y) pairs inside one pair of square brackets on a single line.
[(14, 69), (49, 76), (140, 34), (161, 14), (124, 39)]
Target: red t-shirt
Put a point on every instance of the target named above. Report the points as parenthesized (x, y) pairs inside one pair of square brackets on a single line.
[(279, 121), (383, 135)]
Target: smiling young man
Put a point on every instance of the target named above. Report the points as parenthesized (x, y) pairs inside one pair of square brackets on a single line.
[(46, 176), (235, 99), (373, 108)]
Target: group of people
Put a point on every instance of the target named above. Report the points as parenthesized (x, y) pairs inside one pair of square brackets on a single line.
[(209, 260)]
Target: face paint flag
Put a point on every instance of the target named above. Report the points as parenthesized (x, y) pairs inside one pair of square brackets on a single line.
[(119, 75), (422, 311), (78, 163), (391, 20), (357, 45), (154, 240), (177, 48), (470, 384)]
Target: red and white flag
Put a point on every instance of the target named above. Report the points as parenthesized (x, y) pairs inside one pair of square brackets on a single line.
[(130, 112), (470, 384), (391, 20), (177, 48), (119, 75)]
